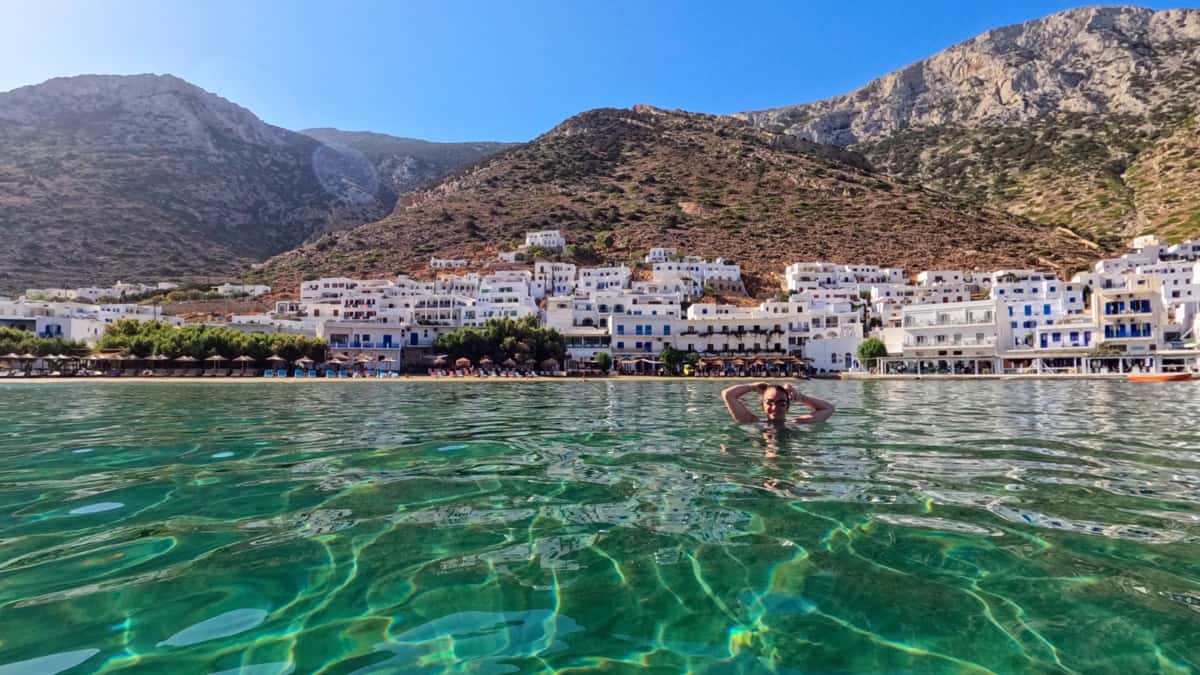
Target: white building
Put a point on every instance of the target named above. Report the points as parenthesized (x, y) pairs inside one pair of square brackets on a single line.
[(947, 332), (594, 279), (556, 278), (660, 255), (252, 290), (447, 263), (548, 239)]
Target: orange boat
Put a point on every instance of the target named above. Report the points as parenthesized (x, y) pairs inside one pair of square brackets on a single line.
[(1159, 377)]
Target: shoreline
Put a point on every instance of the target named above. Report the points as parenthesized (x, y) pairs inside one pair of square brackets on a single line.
[(854, 377), (361, 380)]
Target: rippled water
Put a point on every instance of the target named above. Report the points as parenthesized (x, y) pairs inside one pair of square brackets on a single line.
[(603, 526)]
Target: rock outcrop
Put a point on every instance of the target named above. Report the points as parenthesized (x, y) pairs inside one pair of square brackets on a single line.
[(1042, 118)]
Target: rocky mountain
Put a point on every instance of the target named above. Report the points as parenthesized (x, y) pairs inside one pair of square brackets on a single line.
[(1074, 119), (149, 177), (709, 185), (402, 165)]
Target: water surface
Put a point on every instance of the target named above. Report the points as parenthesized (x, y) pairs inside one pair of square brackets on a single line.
[(597, 527)]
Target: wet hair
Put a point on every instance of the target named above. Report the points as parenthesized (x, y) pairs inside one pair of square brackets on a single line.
[(767, 393)]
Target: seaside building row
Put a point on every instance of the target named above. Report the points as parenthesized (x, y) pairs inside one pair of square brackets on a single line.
[(1136, 311)]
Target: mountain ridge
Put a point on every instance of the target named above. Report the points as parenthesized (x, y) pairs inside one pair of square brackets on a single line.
[(107, 177), (706, 184), (1042, 118)]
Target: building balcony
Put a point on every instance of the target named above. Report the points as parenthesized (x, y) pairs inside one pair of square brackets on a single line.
[(985, 320), (361, 344), (965, 342)]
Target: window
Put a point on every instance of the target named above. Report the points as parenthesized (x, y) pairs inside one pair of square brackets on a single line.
[(1046, 310), (1057, 337), (620, 329), (649, 329), (666, 329), (620, 345), (1028, 310), (1010, 310), (638, 329)]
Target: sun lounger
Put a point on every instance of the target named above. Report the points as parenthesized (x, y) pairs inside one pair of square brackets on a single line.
[(311, 373)]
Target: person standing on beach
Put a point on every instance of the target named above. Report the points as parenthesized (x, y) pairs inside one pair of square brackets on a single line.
[(776, 400)]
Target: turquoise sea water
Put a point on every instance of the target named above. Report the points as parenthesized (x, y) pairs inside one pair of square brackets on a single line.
[(933, 527)]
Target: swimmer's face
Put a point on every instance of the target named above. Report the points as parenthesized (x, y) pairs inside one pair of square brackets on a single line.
[(775, 402)]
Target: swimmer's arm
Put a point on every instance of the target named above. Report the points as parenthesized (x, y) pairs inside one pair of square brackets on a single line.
[(821, 410), (733, 401)]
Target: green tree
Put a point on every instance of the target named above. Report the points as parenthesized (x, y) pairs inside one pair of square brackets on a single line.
[(143, 338), (17, 341), (672, 359), (603, 361), (519, 339), (870, 350)]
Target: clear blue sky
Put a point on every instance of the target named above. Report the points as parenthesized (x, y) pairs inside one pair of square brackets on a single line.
[(452, 71)]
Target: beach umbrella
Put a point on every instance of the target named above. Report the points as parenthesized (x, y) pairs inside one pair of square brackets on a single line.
[(185, 359), (11, 355), (304, 360), (550, 364), (508, 363), (244, 359), (216, 358), (485, 361), (462, 362), (28, 356), (276, 357), (335, 361), (363, 358), (440, 362)]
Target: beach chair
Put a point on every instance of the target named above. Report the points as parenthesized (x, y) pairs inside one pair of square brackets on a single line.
[(342, 373), (269, 372), (310, 373)]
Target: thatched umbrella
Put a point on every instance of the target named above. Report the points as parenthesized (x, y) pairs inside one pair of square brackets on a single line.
[(184, 359), (244, 359), (11, 356), (462, 362), (550, 364), (216, 358), (485, 361), (276, 357), (440, 362), (508, 363)]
